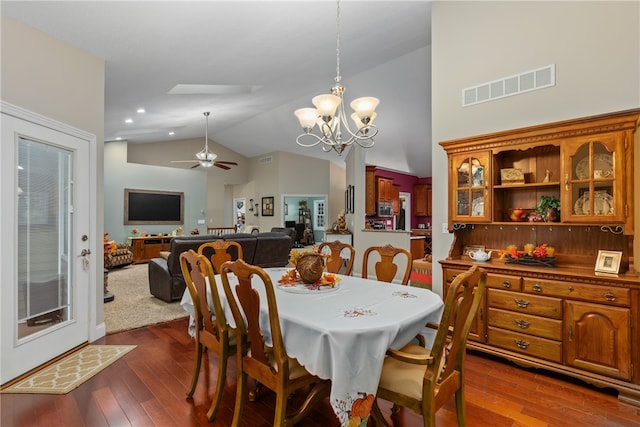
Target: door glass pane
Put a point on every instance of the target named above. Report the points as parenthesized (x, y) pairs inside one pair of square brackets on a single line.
[(477, 173), (44, 226), (463, 174), (462, 205)]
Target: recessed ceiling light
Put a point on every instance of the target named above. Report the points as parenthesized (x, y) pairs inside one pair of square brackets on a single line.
[(172, 133), (140, 110), (128, 120), (118, 138)]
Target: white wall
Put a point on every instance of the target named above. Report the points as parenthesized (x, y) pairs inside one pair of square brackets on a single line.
[(594, 45), (48, 77)]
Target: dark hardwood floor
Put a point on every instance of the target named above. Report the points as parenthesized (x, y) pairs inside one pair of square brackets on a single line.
[(147, 388)]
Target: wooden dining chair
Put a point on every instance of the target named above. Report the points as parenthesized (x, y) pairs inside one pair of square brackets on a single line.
[(425, 379), (220, 252), (386, 268), (268, 364), (335, 261), (211, 329)]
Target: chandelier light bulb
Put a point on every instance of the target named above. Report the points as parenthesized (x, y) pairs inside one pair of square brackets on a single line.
[(365, 107), (307, 118), (326, 105)]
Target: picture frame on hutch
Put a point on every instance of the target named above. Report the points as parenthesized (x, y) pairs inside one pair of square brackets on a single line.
[(608, 262)]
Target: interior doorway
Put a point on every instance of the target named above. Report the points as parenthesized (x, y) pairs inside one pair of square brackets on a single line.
[(307, 215), (239, 212), (403, 221)]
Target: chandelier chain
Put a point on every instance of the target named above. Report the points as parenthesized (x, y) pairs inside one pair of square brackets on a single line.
[(338, 76)]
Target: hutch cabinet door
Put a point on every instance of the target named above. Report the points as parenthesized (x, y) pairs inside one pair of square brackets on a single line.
[(598, 338), (593, 180), (470, 193)]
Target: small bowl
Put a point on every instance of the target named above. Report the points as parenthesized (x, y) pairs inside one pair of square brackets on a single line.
[(517, 214)]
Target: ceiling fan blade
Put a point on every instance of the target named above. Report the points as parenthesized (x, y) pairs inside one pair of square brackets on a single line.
[(221, 166), (227, 163), (184, 161), (195, 166)]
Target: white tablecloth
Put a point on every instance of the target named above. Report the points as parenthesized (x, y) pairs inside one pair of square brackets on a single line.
[(343, 334)]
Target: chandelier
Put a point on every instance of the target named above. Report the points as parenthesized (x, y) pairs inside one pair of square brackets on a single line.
[(331, 119), (205, 156)]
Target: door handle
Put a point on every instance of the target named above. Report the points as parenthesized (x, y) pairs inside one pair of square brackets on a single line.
[(85, 252)]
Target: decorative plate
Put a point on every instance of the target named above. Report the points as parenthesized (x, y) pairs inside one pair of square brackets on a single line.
[(477, 207), (602, 161), (603, 204)]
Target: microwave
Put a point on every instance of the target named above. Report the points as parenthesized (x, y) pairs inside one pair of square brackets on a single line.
[(385, 209)]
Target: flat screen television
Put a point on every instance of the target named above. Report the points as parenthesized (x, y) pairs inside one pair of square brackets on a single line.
[(153, 207)]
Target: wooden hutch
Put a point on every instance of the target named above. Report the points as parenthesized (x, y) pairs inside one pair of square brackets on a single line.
[(560, 316)]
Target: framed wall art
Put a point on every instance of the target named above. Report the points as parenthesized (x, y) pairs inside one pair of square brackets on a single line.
[(267, 206)]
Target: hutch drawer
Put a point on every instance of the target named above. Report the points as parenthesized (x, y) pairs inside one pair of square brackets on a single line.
[(504, 281), (525, 323), (525, 303), (526, 344), (586, 292)]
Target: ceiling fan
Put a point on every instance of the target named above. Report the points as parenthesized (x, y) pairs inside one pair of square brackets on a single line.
[(207, 158)]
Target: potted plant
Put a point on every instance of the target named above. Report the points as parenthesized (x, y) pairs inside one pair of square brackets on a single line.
[(549, 208)]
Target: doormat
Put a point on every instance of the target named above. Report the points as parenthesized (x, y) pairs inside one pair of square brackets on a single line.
[(70, 372)]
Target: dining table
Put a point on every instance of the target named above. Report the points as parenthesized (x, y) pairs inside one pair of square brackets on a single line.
[(341, 331)]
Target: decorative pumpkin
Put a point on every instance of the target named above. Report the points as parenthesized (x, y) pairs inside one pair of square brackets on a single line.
[(310, 267), (362, 407)]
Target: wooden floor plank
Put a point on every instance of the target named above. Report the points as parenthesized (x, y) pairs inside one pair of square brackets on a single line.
[(148, 386)]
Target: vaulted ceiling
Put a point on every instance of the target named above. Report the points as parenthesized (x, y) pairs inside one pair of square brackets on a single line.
[(273, 55)]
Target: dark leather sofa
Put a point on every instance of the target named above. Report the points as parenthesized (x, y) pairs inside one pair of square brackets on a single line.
[(263, 249)]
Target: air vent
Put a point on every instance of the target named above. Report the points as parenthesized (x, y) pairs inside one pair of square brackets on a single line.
[(266, 160), (509, 86)]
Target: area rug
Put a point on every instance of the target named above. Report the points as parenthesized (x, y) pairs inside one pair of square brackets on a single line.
[(133, 305), (71, 371)]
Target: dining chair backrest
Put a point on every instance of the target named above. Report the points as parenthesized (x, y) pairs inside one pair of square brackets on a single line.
[(211, 328), (269, 365), (386, 269), (422, 379), (335, 261), (221, 252)]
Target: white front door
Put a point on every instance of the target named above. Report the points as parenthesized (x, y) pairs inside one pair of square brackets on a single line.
[(45, 235)]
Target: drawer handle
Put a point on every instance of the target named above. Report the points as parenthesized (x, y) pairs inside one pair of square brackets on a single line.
[(536, 287), (523, 324), (521, 303), (522, 344), (609, 296), (506, 284)]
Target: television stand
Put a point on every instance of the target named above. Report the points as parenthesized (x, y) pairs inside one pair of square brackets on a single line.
[(145, 248)]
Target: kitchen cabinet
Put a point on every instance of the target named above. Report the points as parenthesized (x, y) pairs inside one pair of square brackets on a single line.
[(370, 190), (422, 200), (395, 198), (566, 318), (384, 189), (379, 189)]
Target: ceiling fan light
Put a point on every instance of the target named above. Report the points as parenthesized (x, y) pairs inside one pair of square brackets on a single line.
[(206, 163), (364, 107), (307, 118), (206, 156), (327, 105)]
